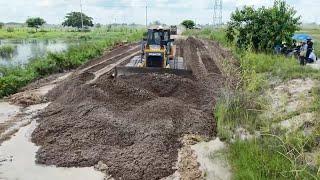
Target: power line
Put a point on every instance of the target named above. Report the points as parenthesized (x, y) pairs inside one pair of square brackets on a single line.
[(81, 15), (217, 13), (147, 14)]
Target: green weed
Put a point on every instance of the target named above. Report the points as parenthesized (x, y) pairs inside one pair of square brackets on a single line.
[(237, 109), (7, 50), (266, 158)]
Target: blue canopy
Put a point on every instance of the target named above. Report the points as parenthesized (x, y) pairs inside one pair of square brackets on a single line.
[(301, 37)]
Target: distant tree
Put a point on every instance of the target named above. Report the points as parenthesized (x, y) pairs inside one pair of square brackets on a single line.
[(98, 25), (73, 19), (1, 25), (263, 28), (35, 22), (189, 24), (158, 23)]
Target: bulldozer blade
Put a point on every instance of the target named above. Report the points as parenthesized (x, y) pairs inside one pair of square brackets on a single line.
[(127, 71)]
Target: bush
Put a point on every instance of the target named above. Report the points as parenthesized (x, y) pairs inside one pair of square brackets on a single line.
[(10, 29), (263, 28)]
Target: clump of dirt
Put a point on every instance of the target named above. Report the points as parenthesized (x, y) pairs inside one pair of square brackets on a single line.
[(131, 124), (26, 98)]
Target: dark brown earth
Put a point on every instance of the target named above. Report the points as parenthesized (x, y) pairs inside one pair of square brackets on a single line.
[(132, 124)]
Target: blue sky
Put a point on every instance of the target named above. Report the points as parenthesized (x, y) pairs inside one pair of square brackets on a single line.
[(129, 11)]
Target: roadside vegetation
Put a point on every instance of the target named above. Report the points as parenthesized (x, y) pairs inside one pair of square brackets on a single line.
[(7, 50), (256, 118)]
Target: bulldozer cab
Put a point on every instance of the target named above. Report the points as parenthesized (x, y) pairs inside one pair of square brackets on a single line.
[(158, 37), (157, 56)]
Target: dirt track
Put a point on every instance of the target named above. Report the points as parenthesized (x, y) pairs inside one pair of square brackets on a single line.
[(132, 124)]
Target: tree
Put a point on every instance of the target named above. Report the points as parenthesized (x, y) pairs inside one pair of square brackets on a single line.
[(263, 28), (1, 25), (35, 22), (156, 23), (189, 24), (73, 19)]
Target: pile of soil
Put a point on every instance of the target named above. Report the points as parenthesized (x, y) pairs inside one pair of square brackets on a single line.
[(132, 124)]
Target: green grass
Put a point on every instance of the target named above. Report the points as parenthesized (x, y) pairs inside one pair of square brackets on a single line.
[(14, 78), (7, 50), (237, 109), (265, 159)]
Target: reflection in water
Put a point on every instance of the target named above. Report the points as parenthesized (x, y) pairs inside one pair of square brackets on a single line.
[(29, 49)]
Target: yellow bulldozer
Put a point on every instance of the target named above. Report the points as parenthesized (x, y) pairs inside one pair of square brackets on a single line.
[(158, 55)]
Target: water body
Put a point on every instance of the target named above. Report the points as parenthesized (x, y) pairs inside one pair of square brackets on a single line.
[(17, 162), (7, 111), (27, 50)]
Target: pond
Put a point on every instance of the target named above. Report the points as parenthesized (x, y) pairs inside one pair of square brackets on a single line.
[(25, 50)]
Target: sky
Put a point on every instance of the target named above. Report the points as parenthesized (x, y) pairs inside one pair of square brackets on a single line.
[(133, 11)]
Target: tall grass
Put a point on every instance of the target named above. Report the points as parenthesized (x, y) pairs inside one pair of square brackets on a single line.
[(7, 50), (267, 158), (14, 78)]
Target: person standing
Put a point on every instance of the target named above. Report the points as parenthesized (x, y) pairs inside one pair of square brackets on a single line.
[(303, 53)]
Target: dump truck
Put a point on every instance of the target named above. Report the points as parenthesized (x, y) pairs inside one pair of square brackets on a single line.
[(158, 55)]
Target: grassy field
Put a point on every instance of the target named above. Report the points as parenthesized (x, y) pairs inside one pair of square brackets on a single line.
[(276, 154), (59, 33), (92, 45)]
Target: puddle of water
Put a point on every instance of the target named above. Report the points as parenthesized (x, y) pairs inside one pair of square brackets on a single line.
[(17, 162), (28, 49), (211, 161), (7, 111)]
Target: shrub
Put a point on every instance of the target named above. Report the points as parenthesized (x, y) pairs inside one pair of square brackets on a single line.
[(10, 29), (7, 50), (263, 28)]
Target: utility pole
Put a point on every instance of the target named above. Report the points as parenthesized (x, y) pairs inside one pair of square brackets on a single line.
[(147, 14), (81, 15), (213, 13)]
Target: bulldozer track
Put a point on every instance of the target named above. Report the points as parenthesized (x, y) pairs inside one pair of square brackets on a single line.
[(110, 67), (113, 59)]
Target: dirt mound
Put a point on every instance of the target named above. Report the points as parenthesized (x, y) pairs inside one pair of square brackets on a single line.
[(132, 124)]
